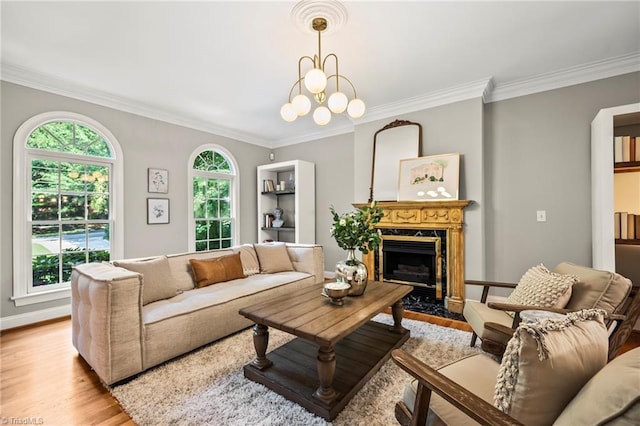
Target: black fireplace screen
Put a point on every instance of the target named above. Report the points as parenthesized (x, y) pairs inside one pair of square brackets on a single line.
[(411, 262)]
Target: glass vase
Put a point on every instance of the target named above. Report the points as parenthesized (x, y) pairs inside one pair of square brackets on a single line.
[(353, 272)]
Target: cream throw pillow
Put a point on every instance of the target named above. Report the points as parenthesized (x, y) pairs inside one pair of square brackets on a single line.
[(249, 259), (541, 287), (547, 363), (273, 257), (157, 281)]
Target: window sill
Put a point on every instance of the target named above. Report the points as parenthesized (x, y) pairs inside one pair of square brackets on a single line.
[(40, 297)]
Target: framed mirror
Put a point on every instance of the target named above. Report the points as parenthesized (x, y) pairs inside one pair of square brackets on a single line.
[(398, 140)]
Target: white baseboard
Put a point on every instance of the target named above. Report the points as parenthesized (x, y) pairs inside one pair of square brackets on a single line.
[(34, 317)]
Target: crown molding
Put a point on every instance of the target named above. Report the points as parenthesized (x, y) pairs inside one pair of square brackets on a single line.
[(315, 135), (567, 77), (473, 89), (59, 86)]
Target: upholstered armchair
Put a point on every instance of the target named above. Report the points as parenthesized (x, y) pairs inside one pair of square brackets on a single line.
[(553, 372), (586, 288)]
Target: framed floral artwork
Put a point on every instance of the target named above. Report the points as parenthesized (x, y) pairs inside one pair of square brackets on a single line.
[(157, 211), (434, 177), (158, 180)]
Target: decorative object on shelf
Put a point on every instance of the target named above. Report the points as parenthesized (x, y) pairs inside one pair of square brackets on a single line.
[(336, 292), (268, 186), (268, 220), (158, 180), (356, 231), (277, 214), (157, 211), (429, 178), (316, 15), (291, 185)]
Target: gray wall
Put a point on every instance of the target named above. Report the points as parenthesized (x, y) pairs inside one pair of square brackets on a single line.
[(145, 143), (537, 157)]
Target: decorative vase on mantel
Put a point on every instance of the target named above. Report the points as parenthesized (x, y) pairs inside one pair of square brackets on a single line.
[(352, 271)]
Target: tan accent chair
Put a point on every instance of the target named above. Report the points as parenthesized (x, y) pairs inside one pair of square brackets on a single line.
[(595, 289), (549, 375)]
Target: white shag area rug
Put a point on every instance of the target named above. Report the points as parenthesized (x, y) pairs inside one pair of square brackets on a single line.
[(207, 386)]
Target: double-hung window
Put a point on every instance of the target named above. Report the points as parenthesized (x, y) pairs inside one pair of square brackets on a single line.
[(214, 197), (64, 200)]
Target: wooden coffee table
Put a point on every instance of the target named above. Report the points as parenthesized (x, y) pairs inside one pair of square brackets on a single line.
[(337, 350)]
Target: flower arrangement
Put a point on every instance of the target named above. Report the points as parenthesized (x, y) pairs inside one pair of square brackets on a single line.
[(356, 229)]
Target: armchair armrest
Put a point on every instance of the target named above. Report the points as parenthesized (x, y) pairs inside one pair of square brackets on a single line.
[(519, 308), (487, 285), (499, 328), (430, 380), (491, 284)]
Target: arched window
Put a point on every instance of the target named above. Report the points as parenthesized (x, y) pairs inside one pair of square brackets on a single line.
[(67, 172), (214, 193)]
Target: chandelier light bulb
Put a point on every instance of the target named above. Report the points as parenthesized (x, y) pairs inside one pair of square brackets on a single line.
[(288, 113), (322, 115), (337, 102), (301, 105), (315, 81), (356, 108)]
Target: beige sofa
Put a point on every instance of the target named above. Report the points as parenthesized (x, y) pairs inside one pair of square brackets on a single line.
[(124, 322)]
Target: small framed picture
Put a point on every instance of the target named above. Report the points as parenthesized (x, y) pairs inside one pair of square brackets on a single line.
[(434, 177), (157, 211), (158, 180)]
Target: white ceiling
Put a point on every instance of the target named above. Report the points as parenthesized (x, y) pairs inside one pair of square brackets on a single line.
[(227, 67)]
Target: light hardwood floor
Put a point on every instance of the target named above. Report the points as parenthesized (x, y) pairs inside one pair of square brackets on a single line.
[(45, 380)]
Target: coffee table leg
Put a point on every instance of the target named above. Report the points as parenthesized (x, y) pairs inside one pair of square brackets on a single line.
[(326, 370), (396, 310), (261, 341)]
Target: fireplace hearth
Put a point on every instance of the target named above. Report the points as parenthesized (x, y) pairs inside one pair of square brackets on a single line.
[(422, 300)]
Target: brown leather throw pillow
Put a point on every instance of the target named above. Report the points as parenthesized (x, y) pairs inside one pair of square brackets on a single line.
[(216, 270)]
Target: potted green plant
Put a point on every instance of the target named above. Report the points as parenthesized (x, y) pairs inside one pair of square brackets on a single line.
[(356, 230)]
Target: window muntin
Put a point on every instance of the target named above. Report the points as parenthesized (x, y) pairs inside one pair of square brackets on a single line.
[(213, 200), (69, 137)]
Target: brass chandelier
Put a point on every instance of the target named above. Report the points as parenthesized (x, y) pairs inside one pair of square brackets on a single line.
[(316, 81)]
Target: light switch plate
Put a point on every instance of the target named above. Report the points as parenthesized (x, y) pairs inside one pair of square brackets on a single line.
[(541, 215)]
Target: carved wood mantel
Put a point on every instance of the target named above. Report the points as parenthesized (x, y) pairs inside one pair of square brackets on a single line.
[(442, 215)]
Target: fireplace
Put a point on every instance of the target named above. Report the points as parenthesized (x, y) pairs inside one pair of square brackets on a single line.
[(436, 224), (412, 260)]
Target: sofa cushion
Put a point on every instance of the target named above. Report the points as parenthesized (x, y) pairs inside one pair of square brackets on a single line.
[(213, 295), (547, 363), (250, 264), (157, 281), (541, 287), (216, 270), (273, 257), (596, 289), (612, 394)]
